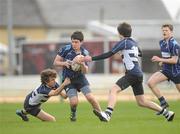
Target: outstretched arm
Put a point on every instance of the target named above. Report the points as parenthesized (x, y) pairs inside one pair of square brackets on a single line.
[(60, 88), (99, 57), (102, 56)]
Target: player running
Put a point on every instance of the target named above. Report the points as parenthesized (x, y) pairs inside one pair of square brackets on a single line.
[(129, 52)]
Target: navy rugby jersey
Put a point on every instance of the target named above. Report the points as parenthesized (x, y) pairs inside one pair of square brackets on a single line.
[(68, 53), (169, 49), (128, 48), (39, 95)]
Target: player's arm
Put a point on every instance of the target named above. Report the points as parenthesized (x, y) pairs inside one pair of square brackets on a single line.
[(84, 68), (118, 47), (172, 60), (60, 88), (63, 95), (59, 62), (99, 57)]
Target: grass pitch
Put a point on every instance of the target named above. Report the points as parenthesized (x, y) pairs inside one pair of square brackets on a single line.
[(127, 119)]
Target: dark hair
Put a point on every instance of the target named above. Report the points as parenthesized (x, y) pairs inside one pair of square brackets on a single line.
[(77, 35), (46, 74), (170, 26), (124, 29)]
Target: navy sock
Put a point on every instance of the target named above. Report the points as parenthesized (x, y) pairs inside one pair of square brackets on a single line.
[(162, 100), (73, 109)]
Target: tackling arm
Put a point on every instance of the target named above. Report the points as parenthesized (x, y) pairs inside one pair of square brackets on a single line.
[(60, 88)]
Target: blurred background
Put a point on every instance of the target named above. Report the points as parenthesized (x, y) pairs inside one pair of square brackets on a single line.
[(32, 31)]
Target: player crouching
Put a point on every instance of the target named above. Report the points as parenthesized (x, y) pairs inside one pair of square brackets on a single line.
[(49, 87)]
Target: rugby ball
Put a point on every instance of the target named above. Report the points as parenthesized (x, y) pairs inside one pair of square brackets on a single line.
[(75, 67)]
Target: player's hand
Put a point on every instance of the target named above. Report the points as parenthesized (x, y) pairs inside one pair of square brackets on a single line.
[(160, 64), (156, 59), (87, 58), (67, 63), (63, 95), (78, 59), (67, 81)]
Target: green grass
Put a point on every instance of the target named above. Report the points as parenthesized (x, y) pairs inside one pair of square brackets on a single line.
[(127, 119)]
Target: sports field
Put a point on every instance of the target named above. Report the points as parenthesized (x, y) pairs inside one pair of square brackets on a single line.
[(127, 119)]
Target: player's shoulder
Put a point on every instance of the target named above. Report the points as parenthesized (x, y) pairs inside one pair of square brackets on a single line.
[(173, 41), (43, 89), (67, 47), (84, 51)]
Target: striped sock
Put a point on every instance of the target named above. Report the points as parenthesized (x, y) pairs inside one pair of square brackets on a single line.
[(165, 112), (109, 111)]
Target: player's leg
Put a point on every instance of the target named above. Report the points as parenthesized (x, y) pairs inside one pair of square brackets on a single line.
[(90, 97), (73, 100), (42, 115), (176, 80), (92, 100), (141, 101), (112, 99), (178, 87), (120, 85), (152, 83), (22, 114)]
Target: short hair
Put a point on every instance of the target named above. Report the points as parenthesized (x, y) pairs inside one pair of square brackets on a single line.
[(170, 26), (46, 74), (77, 35), (124, 29)]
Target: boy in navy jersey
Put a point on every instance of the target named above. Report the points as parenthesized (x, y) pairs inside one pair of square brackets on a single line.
[(49, 87), (129, 52), (170, 51), (78, 79)]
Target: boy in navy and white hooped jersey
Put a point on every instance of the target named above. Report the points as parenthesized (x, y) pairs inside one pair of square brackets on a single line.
[(49, 87), (129, 52)]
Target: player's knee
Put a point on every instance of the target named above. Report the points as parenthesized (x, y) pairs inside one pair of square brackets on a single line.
[(74, 103), (141, 103), (150, 84), (113, 91)]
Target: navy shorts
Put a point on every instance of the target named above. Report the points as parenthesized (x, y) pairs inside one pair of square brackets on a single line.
[(33, 110), (131, 80), (175, 79)]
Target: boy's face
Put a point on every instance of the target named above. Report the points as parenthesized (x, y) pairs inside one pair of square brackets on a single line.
[(51, 82), (76, 44), (167, 33)]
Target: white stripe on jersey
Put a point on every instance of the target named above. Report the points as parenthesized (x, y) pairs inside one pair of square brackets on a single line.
[(37, 98), (128, 61), (165, 54)]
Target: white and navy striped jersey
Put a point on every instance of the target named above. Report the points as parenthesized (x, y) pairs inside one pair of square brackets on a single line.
[(128, 48), (39, 95)]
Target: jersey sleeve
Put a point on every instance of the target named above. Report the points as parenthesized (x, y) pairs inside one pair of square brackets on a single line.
[(45, 90), (85, 53), (63, 51), (56, 85), (174, 49), (119, 46)]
